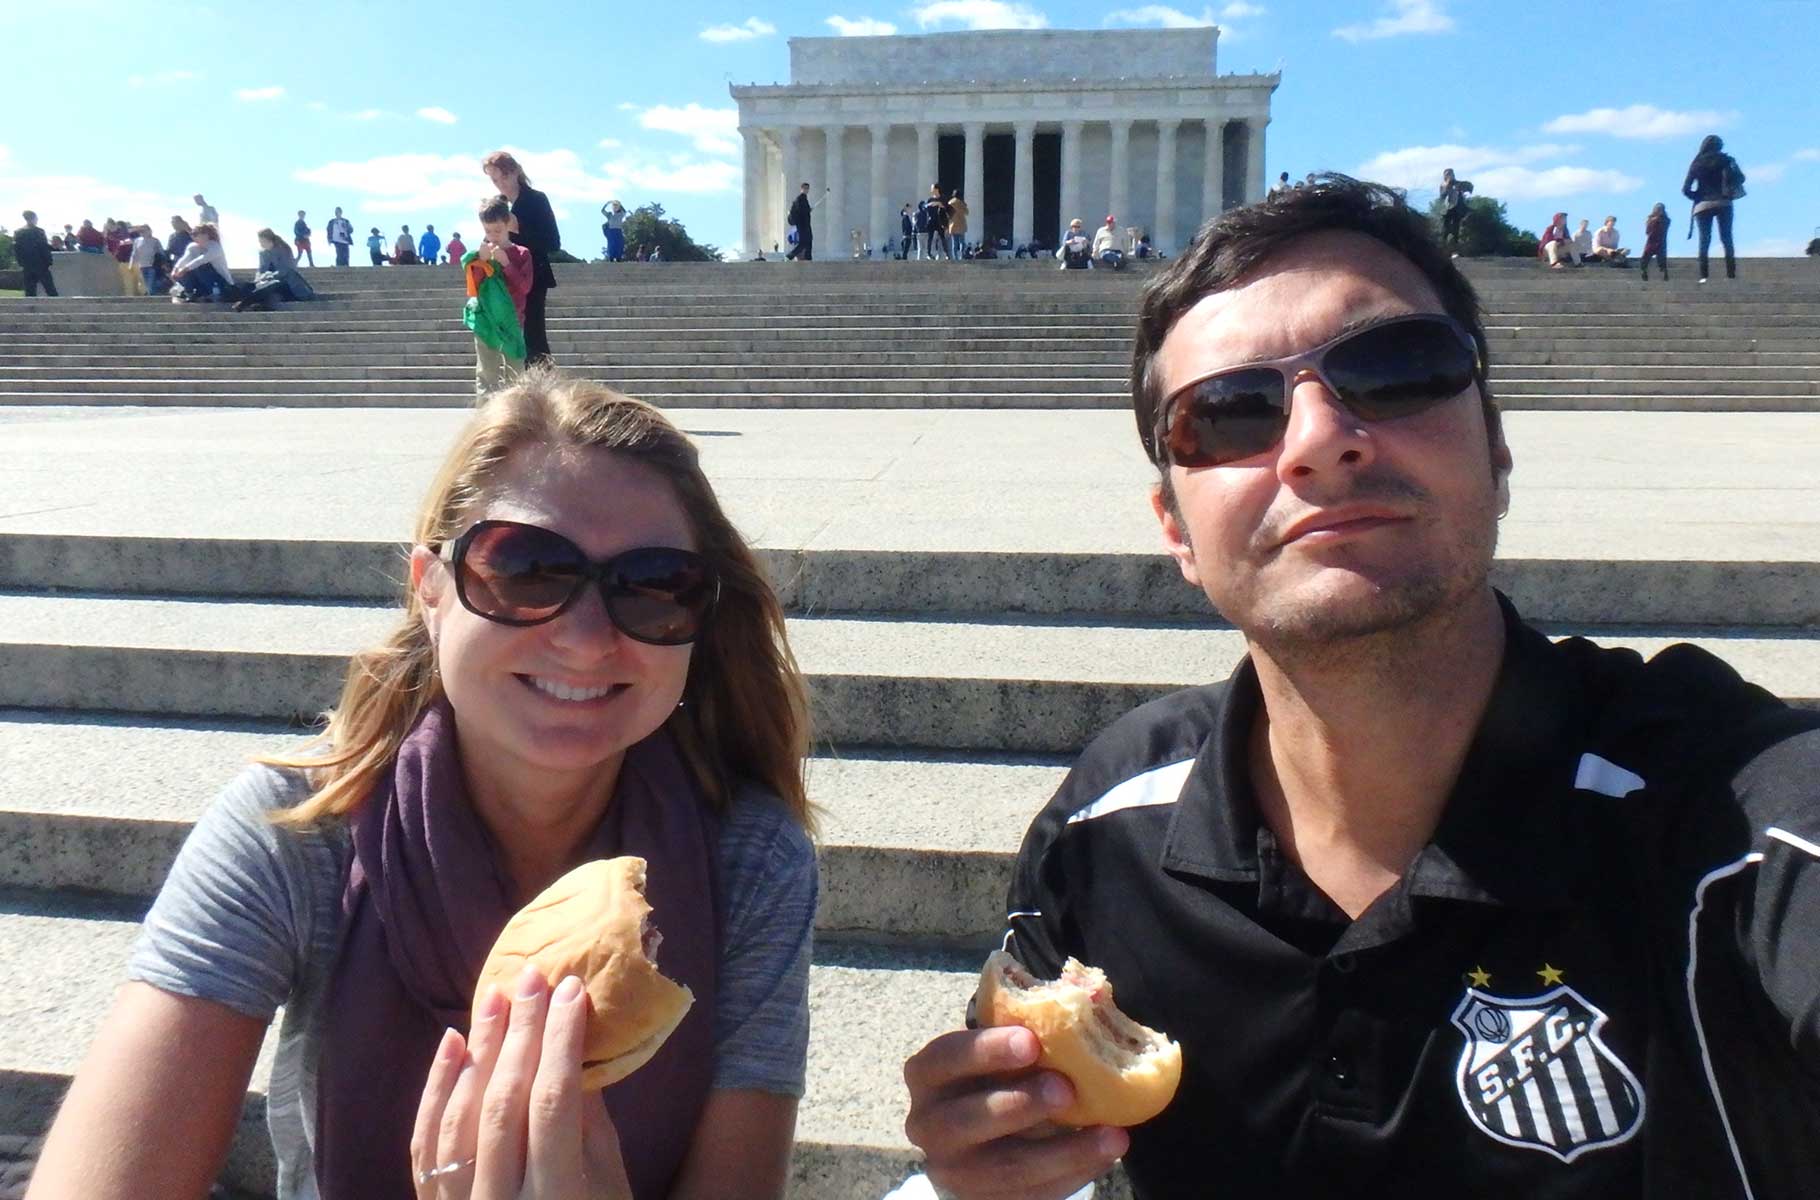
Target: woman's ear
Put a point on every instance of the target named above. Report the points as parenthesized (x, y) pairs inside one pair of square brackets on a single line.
[(1501, 467), (428, 576)]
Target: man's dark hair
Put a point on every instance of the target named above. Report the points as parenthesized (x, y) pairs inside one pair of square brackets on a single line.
[(1236, 244)]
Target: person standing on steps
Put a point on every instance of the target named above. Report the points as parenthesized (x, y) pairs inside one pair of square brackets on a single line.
[(205, 212), (1453, 209), (801, 213), (1655, 240), (1714, 180), (300, 234), (34, 255), (534, 228), (341, 236), (613, 229), (429, 247)]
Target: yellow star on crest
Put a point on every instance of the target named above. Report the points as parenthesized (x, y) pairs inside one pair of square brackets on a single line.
[(1480, 977), (1550, 975)]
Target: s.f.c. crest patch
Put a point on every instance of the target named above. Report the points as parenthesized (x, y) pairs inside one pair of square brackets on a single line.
[(1535, 1073)]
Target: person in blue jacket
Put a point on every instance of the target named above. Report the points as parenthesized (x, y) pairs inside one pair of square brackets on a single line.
[(429, 246)]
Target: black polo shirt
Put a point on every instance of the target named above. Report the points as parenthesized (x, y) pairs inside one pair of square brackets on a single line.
[(1601, 978)]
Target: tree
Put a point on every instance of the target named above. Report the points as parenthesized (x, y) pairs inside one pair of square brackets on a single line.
[(1486, 230), (7, 260), (648, 227)]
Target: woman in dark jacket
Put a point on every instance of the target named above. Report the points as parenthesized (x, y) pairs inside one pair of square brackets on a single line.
[(278, 277), (534, 228), (1713, 182)]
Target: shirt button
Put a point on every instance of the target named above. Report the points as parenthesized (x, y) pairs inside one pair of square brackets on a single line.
[(1340, 1071), (1344, 963)]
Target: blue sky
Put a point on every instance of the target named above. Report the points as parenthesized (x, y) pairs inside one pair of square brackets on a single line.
[(128, 109)]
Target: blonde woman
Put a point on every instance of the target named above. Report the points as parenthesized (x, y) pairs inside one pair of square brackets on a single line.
[(589, 662)]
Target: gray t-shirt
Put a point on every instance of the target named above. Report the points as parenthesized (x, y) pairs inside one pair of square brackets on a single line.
[(250, 917)]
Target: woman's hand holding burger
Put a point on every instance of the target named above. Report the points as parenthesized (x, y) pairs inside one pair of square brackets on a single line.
[(504, 1115)]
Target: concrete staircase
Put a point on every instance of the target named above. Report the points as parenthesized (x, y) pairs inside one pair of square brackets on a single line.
[(884, 335), (974, 592)]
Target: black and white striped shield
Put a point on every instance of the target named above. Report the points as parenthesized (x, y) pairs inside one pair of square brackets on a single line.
[(1535, 1073)]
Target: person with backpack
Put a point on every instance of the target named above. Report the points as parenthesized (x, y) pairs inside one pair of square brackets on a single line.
[(802, 214), (1714, 180), (341, 236), (907, 220), (300, 233)]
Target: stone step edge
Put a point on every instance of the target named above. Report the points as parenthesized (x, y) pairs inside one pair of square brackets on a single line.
[(1104, 584)]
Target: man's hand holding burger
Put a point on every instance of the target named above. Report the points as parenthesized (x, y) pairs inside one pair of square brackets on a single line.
[(981, 1113)]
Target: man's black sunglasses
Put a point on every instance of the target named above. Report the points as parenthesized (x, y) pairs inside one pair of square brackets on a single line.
[(1392, 369), (517, 574)]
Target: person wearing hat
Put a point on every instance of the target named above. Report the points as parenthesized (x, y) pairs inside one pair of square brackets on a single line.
[(1106, 252)]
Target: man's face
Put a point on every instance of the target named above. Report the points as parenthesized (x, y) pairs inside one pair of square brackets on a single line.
[(1346, 527)]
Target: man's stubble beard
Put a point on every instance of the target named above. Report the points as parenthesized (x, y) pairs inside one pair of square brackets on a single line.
[(1319, 629)]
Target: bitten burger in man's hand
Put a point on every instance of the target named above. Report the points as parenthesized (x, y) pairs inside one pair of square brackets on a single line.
[(594, 923), (1123, 1073)]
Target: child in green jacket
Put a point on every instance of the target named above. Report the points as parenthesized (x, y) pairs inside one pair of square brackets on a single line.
[(499, 276)]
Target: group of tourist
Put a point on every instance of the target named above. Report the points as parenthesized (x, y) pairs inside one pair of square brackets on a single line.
[(1425, 897), (1713, 183)]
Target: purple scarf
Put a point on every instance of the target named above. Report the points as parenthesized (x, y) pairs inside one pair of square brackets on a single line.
[(426, 897)]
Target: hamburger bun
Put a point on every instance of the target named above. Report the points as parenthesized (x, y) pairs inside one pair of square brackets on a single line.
[(1123, 1073), (594, 923)]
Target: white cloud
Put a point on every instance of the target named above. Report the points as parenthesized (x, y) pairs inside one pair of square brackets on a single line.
[(369, 114), (610, 143), (258, 94), (1159, 15), (70, 199), (751, 28), (713, 130), (441, 116), (692, 177), (1240, 11), (981, 14), (1641, 121), (1405, 16), (1807, 156), (317, 106), (627, 106), (861, 27), (1766, 172), (1774, 247), (1498, 173), (162, 78)]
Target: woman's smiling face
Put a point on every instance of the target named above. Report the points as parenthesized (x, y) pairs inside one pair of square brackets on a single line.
[(569, 696)]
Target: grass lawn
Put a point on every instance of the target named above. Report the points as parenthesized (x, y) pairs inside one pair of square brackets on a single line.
[(11, 293)]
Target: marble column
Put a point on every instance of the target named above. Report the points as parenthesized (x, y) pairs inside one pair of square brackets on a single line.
[(925, 159), (1213, 170), (831, 213), (884, 226), (1118, 201), (1023, 202), (1071, 175), (973, 184), (1254, 159), (1162, 231), (754, 218), (792, 169)]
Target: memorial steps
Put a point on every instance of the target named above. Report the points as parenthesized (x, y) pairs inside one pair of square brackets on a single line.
[(973, 594), (884, 335)]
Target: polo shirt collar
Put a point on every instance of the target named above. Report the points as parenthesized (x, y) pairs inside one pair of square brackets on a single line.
[(1502, 838)]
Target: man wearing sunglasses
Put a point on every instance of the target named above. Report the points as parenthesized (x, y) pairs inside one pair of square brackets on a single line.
[(1433, 904)]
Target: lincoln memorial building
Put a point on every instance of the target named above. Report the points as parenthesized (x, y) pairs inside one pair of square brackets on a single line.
[(1033, 127)]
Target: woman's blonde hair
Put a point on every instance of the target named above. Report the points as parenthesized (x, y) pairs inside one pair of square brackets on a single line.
[(745, 711)]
